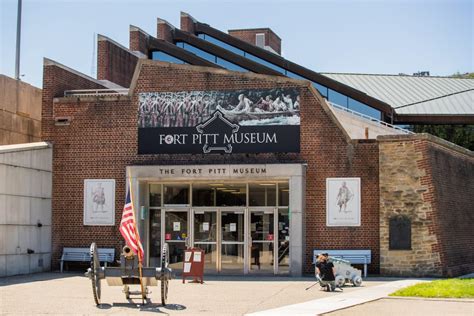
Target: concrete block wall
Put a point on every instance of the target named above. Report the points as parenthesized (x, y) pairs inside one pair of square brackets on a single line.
[(20, 112), (25, 208)]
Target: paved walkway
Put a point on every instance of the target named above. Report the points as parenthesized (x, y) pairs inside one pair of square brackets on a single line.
[(71, 294), (339, 300), (408, 306)]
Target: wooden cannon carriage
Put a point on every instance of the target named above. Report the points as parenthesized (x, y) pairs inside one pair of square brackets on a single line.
[(129, 274)]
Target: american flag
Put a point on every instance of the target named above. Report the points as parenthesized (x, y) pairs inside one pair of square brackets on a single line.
[(128, 228)]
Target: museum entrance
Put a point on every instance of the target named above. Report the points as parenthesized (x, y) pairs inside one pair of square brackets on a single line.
[(245, 230)]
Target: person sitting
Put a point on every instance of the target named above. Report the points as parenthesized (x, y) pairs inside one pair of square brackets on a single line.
[(326, 272)]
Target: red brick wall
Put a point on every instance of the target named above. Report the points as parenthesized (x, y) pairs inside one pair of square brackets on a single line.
[(56, 80), (102, 140), (328, 154), (115, 63), (451, 175)]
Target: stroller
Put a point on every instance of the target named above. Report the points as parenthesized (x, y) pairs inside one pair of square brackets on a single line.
[(344, 273)]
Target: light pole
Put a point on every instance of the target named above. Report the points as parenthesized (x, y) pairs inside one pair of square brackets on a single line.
[(18, 36)]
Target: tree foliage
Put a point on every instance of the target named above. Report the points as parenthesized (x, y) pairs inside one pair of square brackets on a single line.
[(462, 135)]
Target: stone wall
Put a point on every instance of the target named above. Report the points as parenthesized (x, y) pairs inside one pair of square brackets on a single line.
[(20, 112), (411, 185), (452, 173), (25, 208)]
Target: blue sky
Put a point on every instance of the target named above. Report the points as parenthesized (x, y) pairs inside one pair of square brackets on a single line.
[(326, 36)]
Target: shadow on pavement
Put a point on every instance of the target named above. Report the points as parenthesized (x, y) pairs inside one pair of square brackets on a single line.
[(45, 276), (149, 307), (272, 278)]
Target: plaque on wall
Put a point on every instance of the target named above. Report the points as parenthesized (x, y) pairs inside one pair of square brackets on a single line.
[(343, 201), (225, 122), (99, 202), (400, 233)]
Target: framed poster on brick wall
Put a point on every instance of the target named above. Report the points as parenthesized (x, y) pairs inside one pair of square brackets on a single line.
[(343, 201), (99, 202)]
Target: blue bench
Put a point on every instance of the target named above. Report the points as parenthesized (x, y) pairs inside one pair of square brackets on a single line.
[(84, 255), (354, 256)]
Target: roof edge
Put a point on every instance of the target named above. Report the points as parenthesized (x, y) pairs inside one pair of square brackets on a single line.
[(185, 14), (50, 62), (24, 147), (133, 28), (389, 75), (256, 29), (428, 137), (162, 21), (103, 38)]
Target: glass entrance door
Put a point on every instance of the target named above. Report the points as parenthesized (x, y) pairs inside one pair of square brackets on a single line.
[(232, 236), (262, 240), (205, 237), (176, 232)]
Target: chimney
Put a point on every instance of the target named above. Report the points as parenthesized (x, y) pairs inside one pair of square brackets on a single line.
[(262, 37)]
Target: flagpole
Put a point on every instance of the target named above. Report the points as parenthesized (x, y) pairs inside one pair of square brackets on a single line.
[(138, 235)]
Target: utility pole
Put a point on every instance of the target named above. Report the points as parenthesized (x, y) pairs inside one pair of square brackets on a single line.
[(18, 38)]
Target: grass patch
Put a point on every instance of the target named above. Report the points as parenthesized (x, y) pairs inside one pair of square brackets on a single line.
[(450, 288)]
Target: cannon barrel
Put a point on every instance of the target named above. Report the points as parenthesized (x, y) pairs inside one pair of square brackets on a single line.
[(127, 252)]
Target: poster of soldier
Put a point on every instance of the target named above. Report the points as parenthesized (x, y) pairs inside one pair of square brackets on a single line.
[(99, 202), (245, 107), (343, 201)]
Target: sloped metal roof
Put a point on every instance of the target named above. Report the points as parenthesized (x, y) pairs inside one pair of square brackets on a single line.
[(458, 103), (415, 95)]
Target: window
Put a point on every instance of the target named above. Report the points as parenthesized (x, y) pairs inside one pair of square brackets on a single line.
[(241, 53), (265, 63), (219, 43), (262, 194), (198, 52), (283, 194), (338, 98), (322, 89), (155, 195), (364, 109), (231, 195), (228, 65), (162, 56), (210, 57), (204, 195), (176, 194)]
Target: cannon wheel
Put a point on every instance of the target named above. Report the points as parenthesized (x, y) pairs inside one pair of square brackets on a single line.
[(165, 261), (95, 267)]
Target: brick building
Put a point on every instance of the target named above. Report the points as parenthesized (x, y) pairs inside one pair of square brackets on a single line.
[(225, 151)]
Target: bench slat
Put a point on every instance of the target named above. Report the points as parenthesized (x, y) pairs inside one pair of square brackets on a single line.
[(83, 255)]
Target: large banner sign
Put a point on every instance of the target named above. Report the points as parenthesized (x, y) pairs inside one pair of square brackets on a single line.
[(242, 121)]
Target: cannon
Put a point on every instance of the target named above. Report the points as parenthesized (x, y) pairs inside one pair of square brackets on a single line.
[(128, 274), (345, 272)]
